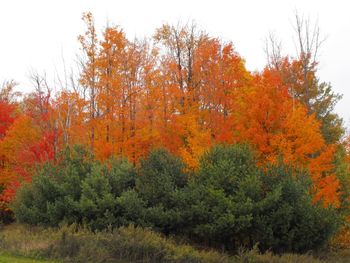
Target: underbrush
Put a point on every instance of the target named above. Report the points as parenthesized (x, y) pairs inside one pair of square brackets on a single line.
[(129, 244)]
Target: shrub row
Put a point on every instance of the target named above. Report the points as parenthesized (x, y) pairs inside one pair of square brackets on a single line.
[(228, 203)]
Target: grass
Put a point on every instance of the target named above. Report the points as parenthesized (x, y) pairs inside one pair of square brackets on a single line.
[(5, 258), (126, 245)]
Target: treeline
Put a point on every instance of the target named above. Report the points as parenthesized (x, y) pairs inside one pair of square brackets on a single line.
[(182, 90), (186, 92), (228, 203)]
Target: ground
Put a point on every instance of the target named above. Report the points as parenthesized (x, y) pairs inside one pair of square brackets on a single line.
[(5, 258)]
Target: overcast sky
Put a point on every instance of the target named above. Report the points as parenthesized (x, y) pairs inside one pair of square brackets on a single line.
[(36, 34)]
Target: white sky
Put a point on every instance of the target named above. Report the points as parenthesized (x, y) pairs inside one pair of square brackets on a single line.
[(36, 34)]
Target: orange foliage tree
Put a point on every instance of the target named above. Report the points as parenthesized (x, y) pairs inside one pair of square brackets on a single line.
[(279, 127), (184, 91), (32, 138)]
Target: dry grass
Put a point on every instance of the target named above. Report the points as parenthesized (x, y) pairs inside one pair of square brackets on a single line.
[(131, 244)]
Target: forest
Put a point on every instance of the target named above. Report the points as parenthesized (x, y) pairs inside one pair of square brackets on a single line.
[(173, 135)]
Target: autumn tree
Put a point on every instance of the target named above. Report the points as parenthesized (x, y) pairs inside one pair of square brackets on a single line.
[(126, 96), (8, 116), (31, 135), (111, 96), (267, 122), (181, 82), (89, 77), (222, 76), (300, 75)]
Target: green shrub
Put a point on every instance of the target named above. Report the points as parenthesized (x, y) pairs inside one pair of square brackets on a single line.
[(132, 209), (160, 174), (221, 196), (160, 183), (234, 203), (76, 190), (342, 171), (286, 219)]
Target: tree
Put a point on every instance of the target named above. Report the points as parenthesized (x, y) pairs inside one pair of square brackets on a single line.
[(222, 77), (17, 157), (7, 117), (8, 114), (286, 218), (161, 178), (232, 202), (31, 139), (181, 43), (89, 78), (300, 75), (8, 106), (7, 93), (266, 121), (77, 189)]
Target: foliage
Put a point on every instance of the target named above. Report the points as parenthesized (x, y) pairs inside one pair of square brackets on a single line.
[(342, 171), (77, 189), (183, 93), (161, 179), (280, 127), (236, 203), (184, 90), (318, 96), (288, 220), (222, 195)]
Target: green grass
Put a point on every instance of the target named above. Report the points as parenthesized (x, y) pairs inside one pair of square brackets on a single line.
[(5, 258)]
